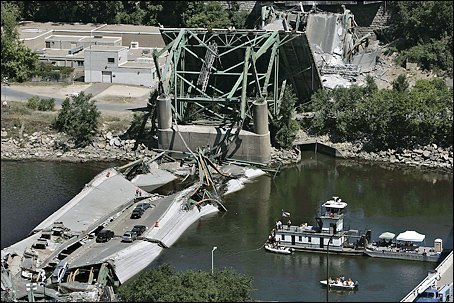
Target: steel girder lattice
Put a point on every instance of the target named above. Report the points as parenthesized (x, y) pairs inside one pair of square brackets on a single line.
[(229, 68)]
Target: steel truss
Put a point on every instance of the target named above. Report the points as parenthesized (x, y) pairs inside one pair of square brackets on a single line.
[(231, 68)]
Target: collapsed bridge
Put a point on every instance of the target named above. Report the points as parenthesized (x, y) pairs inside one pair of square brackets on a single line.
[(233, 80)]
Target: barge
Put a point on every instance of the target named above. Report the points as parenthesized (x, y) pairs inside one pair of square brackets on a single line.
[(406, 247)]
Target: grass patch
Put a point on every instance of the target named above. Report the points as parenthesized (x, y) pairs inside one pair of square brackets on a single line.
[(17, 116), (115, 124)]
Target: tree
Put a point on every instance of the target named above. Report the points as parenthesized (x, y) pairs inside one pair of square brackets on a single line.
[(165, 284), (388, 118), (208, 15), (18, 62), (79, 119), (401, 83), (284, 128), (423, 31)]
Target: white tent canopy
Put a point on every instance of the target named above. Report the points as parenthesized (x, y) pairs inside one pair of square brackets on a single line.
[(387, 236), (411, 236)]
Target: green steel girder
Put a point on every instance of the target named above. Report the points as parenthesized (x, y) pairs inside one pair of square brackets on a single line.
[(237, 55)]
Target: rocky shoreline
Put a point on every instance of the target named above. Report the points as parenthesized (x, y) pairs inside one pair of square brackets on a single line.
[(109, 147)]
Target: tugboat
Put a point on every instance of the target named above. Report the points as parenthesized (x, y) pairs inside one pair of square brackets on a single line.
[(327, 236)]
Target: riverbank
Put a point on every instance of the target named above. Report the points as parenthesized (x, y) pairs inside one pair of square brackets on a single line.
[(429, 156), (53, 146)]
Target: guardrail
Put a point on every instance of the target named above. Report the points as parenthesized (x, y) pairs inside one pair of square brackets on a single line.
[(440, 270)]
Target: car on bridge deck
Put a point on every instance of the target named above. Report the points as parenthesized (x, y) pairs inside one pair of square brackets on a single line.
[(129, 236), (139, 229), (104, 235), (137, 213)]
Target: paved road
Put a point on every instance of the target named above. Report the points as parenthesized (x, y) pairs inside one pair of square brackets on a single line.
[(93, 253), (12, 94)]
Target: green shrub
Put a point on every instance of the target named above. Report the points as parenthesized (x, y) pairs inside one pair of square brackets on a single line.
[(388, 118), (284, 129), (79, 119), (36, 103), (33, 102), (188, 286)]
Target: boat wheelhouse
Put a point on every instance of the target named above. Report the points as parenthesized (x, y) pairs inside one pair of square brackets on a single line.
[(327, 235)]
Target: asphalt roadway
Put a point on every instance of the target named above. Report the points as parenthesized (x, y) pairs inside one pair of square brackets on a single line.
[(93, 252), (19, 93)]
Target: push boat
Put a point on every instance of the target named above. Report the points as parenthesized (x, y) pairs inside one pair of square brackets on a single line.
[(341, 284), (328, 235), (278, 249), (406, 247)]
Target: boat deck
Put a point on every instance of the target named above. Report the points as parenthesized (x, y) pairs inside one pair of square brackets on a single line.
[(420, 253)]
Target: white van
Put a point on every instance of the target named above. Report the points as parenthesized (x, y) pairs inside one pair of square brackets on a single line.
[(59, 272)]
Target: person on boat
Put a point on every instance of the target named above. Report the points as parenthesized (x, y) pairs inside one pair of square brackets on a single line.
[(289, 223), (342, 278)]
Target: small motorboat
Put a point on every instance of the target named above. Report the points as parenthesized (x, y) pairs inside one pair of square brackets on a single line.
[(278, 249), (341, 284)]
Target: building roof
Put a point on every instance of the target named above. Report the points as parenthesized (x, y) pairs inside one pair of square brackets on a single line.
[(60, 53), (129, 28), (101, 39), (104, 48), (31, 30), (133, 64), (64, 38)]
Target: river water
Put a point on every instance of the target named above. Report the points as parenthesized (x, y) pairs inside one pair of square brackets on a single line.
[(380, 197)]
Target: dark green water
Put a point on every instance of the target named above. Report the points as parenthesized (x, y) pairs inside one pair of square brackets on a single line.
[(379, 198)]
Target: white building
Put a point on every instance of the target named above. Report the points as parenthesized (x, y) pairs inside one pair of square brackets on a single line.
[(109, 64), (101, 53)]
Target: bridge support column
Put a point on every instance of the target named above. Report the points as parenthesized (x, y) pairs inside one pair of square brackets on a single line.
[(260, 110), (164, 112)]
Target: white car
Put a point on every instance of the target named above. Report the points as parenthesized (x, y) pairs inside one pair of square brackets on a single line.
[(129, 236)]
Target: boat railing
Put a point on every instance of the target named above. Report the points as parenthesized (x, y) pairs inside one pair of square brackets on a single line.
[(327, 215)]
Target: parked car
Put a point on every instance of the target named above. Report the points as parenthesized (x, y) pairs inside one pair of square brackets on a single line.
[(129, 236), (137, 213), (104, 235), (139, 229), (59, 272)]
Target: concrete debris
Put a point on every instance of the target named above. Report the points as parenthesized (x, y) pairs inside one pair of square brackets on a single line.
[(90, 269)]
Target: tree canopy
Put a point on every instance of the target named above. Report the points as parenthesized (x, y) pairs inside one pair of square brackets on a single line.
[(401, 117), (18, 61), (423, 31), (165, 284), (209, 14), (78, 118)]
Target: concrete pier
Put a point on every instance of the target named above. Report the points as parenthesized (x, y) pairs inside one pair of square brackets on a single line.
[(260, 110), (247, 146), (164, 112)]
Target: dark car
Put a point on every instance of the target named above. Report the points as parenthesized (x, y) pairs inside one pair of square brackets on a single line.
[(104, 235), (59, 272), (137, 213), (139, 229), (143, 205)]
